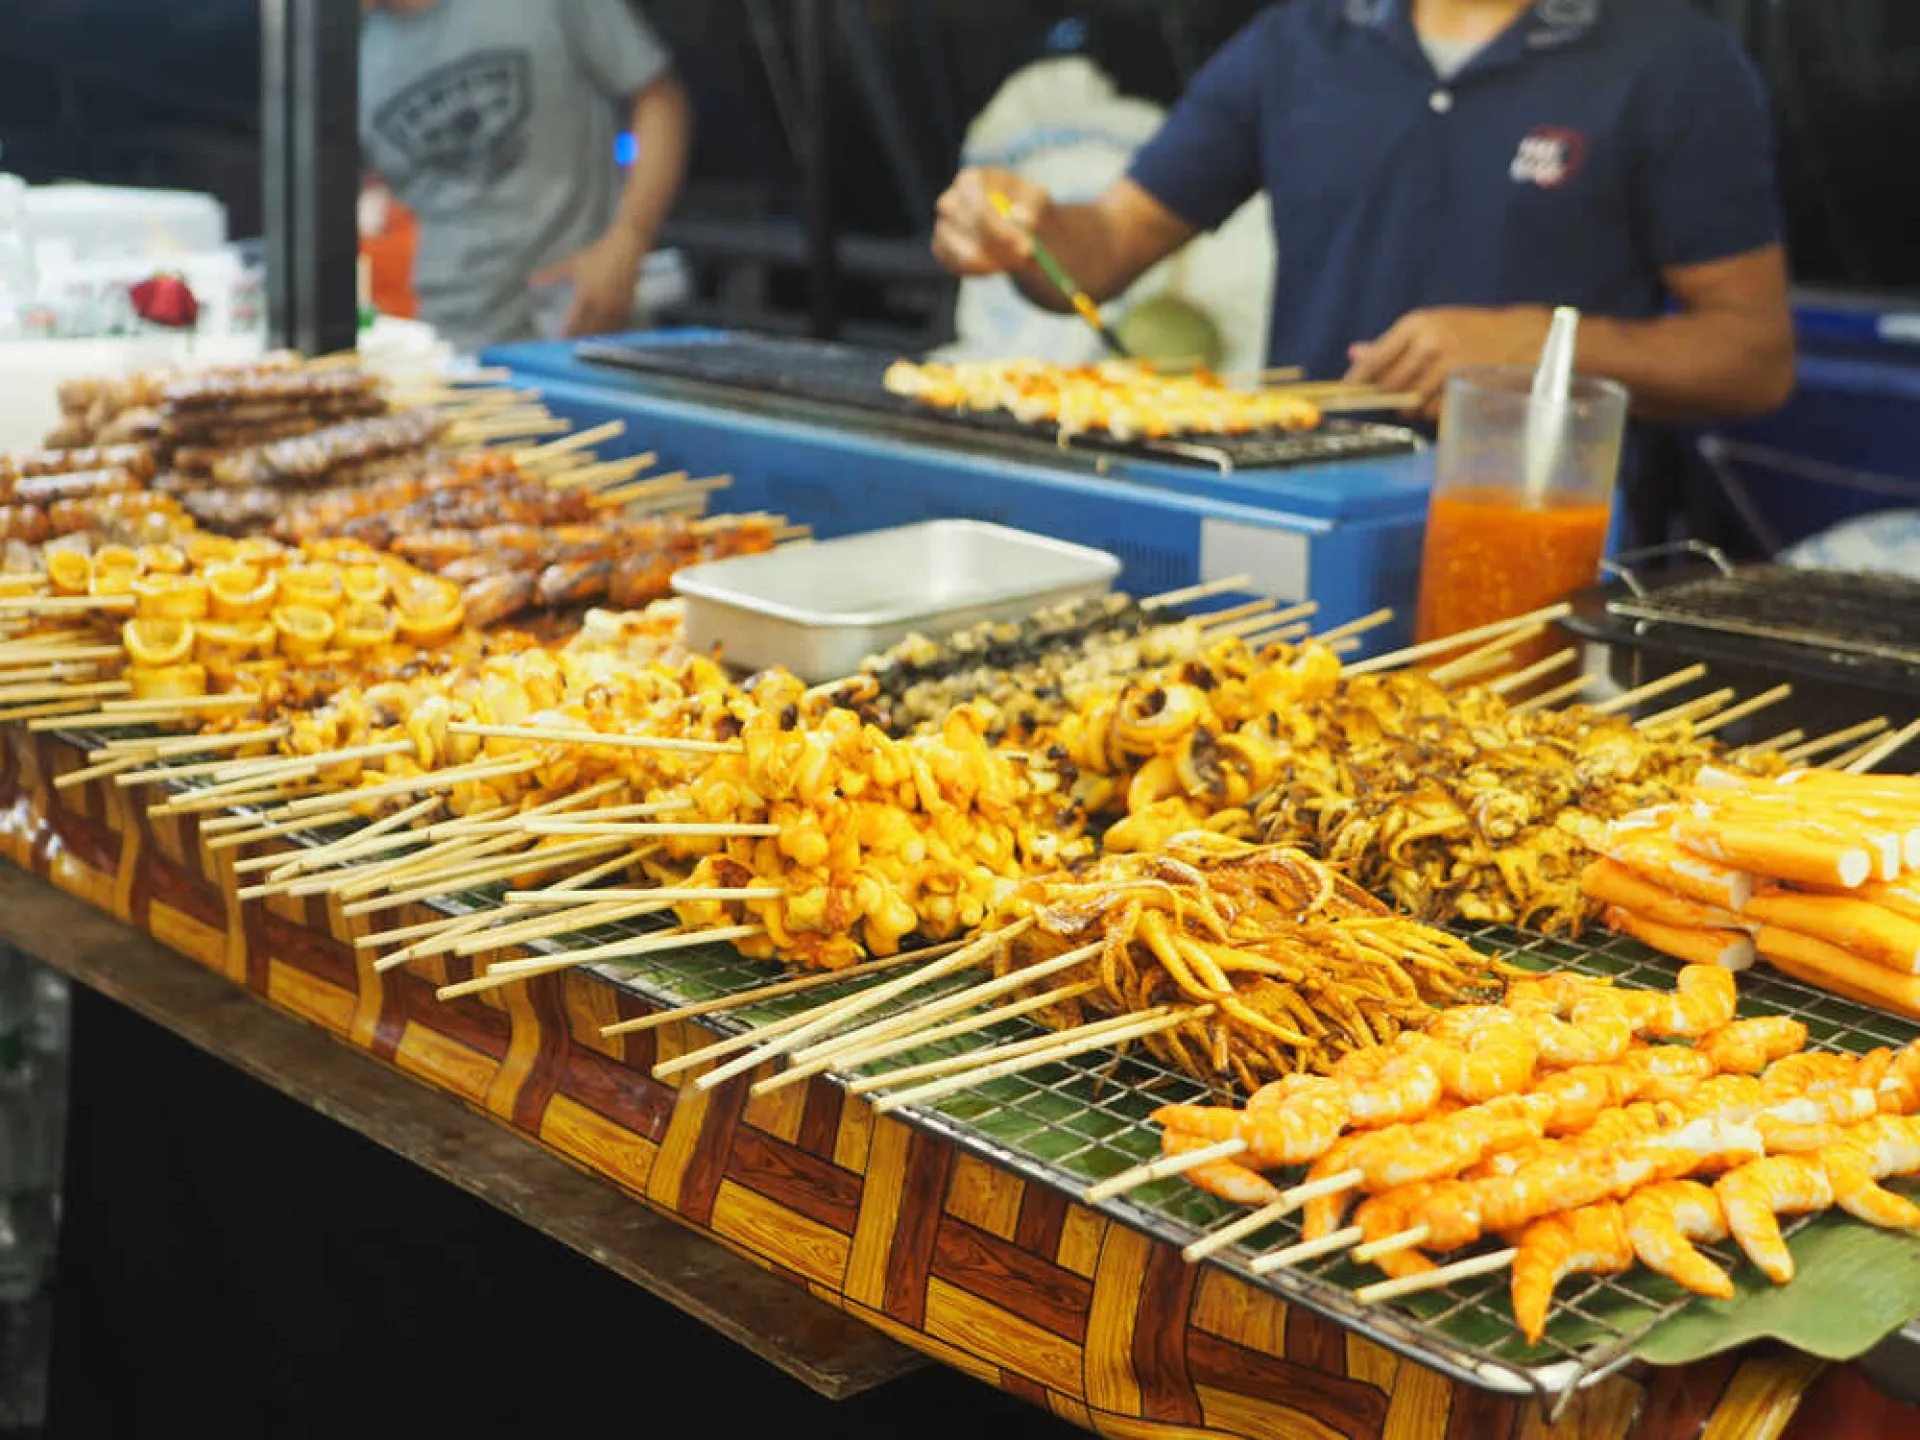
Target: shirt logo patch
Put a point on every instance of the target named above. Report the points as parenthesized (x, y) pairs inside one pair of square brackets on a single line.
[(1548, 157), (466, 119)]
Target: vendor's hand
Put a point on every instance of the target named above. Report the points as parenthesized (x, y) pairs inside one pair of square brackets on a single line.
[(603, 276), (971, 237), (1425, 346)]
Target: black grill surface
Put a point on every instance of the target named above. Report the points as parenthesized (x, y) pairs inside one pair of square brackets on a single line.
[(1872, 616), (850, 379)]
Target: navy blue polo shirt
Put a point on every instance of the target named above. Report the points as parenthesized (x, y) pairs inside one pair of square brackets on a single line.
[(1588, 148)]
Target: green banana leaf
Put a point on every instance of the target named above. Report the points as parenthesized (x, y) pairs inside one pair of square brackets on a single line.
[(1854, 1286)]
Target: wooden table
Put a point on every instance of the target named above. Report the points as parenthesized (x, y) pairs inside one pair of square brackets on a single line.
[(1011, 1282)]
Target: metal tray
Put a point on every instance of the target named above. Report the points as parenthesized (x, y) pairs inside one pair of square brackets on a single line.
[(1085, 1118), (819, 610)]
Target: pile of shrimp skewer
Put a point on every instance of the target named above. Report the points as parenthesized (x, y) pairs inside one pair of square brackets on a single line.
[(1551, 1121)]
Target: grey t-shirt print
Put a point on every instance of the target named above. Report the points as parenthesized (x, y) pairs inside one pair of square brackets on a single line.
[(464, 121)]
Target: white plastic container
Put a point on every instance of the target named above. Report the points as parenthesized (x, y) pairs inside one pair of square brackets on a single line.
[(819, 610)]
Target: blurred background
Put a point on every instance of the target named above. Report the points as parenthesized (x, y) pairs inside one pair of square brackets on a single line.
[(135, 93)]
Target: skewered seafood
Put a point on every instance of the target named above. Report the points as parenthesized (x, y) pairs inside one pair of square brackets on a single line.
[(1123, 399), (1456, 805), (1302, 965)]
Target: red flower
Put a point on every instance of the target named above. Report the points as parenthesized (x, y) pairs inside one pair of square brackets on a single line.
[(166, 300)]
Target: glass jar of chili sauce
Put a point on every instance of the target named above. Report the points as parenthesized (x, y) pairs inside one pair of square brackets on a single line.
[(1501, 542)]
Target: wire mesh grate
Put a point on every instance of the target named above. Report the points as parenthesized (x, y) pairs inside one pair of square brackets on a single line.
[(1077, 1121), (1073, 1122)]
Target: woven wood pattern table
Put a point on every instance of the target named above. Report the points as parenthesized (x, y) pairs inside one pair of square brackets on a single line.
[(1011, 1282)]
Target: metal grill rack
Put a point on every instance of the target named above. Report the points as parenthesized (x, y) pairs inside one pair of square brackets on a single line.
[(1080, 1120), (1874, 616), (850, 379)]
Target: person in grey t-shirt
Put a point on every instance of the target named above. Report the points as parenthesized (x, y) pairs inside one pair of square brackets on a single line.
[(494, 121)]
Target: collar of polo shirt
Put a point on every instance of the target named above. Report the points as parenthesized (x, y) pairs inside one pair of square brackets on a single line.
[(1555, 22)]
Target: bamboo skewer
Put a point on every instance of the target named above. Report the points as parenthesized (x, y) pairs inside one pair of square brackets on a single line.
[(229, 838), (1882, 750), (965, 1025), (672, 895), (390, 873), (51, 716), (832, 1054), (500, 975), (1490, 656), (940, 1007), (63, 673), (1435, 1279), (1072, 1043), (1240, 629), (241, 775), (1306, 1250), (323, 760), (168, 747), (1282, 635), (1773, 744), (732, 1045), (529, 863), (12, 657), (1361, 626), (455, 842), (775, 991), (1394, 659), (448, 928), (1520, 679), (440, 936), (1697, 708), (970, 1061), (1409, 1239), (546, 926), (643, 829), (63, 604), (430, 780), (1238, 612), (21, 694), (198, 803), (100, 771), (187, 704), (1293, 621), (1741, 711), (1650, 690), (831, 1017), (1162, 1168), (564, 736), (631, 949), (1265, 1215), (1366, 404), (354, 845), (1838, 738), (1205, 590), (1572, 690), (579, 440)]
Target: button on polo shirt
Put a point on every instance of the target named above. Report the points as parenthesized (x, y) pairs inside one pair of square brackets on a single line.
[(1592, 145)]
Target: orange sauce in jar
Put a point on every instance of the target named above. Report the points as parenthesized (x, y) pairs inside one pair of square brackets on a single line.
[(1489, 557)]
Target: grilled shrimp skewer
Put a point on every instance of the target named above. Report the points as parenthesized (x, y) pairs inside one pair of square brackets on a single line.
[(1847, 1175)]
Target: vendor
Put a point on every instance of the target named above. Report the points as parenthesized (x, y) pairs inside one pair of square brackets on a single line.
[(494, 122), (1443, 173)]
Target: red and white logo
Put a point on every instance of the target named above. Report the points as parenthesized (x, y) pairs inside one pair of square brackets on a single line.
[(1548, 157)]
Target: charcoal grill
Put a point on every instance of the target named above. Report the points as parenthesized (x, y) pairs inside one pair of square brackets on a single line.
[(850, 379)]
